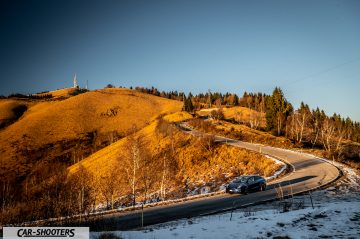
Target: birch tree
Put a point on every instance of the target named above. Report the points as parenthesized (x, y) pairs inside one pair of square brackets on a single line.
[(110, 184), (299, 122), (132, 163), (327, 133)]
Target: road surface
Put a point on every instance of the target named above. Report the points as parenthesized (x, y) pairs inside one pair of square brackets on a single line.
[(308, 173)]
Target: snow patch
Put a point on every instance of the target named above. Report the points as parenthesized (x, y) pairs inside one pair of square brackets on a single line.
[(280, 171), (334, 220)]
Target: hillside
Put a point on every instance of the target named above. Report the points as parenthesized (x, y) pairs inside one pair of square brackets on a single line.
[(61, 93), (71, 129), (240, 115), (171, 165), (168, 163), (105, 159), (11, 110)]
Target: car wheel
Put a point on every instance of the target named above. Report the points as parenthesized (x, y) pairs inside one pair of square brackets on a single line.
[(262, 187)]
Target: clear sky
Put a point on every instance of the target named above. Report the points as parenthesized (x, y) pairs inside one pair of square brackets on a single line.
[(311, 49)]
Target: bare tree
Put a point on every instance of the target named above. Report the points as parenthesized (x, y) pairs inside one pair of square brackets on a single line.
[(298, 123), (340, 133), (261, 110), (256, 112), (209, 99), (147, 174), (316, 131), (7, 193), (133, 156), (166, 165), (327, 133), (254, 120), (207, 141), (239, 117), (164, 175), (218, 103), (84, 194), (168, 168), (254, 115), (109, 185), (217, 114), (332, 134)]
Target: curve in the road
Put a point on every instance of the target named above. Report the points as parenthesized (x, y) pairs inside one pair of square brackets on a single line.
[(309, 173)]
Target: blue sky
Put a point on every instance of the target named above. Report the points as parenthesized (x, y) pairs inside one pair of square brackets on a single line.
[(311, 49)]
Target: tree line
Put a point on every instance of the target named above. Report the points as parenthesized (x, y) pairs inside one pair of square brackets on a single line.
[(304, 126), (29, 96)]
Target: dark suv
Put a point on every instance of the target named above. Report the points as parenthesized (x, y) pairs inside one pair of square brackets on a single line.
[(245, 184)]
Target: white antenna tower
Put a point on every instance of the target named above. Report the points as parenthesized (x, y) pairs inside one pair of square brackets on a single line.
[(75, 82)]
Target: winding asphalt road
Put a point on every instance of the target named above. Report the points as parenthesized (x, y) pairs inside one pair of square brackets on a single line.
[(309, 173)]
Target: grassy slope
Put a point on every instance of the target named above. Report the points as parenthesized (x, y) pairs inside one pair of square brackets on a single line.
[(61, 93), (350, 150), (6, 109), (48, 122), (238, 113), (103, 160), (196, 165), (252, 135)]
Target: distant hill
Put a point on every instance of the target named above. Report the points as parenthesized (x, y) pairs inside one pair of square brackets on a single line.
[(73, 128), (61, 93)]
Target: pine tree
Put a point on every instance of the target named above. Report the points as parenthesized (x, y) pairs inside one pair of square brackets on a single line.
[(188, 105), (278, 109)]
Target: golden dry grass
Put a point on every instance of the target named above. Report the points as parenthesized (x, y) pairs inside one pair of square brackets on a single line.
[(241, 132), (103, 111), (7, 107), (103, 176), (103, 160), (195, 164), (238, 113), (178, 117), (61, 93), (256, 136)]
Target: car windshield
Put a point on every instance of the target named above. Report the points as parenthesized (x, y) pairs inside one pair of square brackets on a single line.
[(241, 180)]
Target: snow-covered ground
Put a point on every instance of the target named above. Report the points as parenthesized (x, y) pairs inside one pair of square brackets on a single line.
[(280, 171), (334, 220), (336, 214)]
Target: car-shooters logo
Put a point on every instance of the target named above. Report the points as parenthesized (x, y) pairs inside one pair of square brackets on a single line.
[(46, 232)]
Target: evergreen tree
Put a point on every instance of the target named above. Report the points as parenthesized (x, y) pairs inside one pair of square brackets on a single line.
[(188, 105), (278, 109)]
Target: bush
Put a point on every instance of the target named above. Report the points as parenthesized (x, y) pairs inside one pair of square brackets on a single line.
[(79, 91), (217, 114), (203, 125)]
